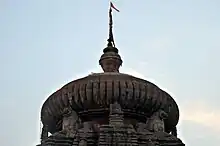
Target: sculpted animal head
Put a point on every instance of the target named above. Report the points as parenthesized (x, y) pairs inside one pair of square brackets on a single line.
[(160, 114), (70, 119), (155, 122), (163, 115)]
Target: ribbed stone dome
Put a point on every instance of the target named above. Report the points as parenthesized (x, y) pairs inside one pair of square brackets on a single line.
[(91, 96), (110, 108)]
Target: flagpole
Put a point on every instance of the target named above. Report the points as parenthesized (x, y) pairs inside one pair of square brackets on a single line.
[(111, 38)]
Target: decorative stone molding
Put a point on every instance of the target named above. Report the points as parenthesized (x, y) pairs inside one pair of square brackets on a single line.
[(156, 122)]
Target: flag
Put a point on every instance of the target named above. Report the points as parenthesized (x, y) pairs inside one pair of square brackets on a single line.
[(112, 6)]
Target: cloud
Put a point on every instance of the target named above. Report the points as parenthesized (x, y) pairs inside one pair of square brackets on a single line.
[(194, 134), (194, 114), (201, 113), (195, 111)]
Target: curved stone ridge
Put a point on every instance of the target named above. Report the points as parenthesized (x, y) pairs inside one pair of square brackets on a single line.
[(94, 93)]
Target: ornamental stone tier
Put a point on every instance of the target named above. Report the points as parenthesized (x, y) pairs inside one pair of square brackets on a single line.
[(110, 108)]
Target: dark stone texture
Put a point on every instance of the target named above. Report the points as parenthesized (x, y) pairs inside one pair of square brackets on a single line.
[(115, 133), (110, 108), (91, 96)]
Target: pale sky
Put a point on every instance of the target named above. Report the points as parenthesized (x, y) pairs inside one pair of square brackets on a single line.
[(44, 44)]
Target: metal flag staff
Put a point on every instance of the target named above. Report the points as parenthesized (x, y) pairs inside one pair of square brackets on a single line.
[(111, 38)]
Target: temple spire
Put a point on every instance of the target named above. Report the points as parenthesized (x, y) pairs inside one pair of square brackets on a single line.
[(110, 60), (111, 38)]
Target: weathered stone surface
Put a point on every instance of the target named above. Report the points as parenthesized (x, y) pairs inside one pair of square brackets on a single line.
[(156, 121), (57, 140), (110, 108), (96, 92), (116, 133)]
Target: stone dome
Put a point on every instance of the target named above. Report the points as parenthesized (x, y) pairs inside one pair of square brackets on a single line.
[(92, 95)]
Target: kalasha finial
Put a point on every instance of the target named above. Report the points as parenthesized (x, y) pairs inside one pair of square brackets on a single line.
[(110, 60)]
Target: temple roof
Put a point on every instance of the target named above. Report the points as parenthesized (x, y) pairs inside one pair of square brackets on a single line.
[(91, 96)]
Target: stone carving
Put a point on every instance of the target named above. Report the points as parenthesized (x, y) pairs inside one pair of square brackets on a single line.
[(165, 137), (144, 134), (115, 115), (87, 134), (71, 122), (115, 108), (83, 142), (131, 135), (156, 122), (152, 138), (142, 128), (90, 126)]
